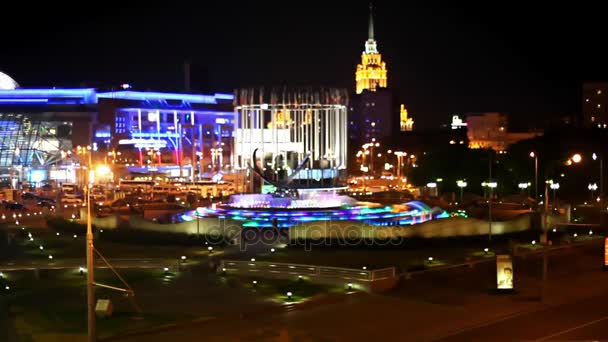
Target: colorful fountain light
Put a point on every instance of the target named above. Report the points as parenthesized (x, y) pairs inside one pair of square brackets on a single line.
[(396, 215)]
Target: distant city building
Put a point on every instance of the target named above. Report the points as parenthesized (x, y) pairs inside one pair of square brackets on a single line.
[(490, 130), (405, 123), (371, 74), (595, 104), (457, 122), (137, 132), (373, 113)]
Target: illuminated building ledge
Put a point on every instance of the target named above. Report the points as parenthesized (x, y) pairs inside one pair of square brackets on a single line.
[(90, 96), (151, 96)]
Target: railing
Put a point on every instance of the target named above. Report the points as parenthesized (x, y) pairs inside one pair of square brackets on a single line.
[(306, 270)]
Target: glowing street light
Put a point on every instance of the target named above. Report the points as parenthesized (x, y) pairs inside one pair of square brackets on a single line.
[(461, 184)]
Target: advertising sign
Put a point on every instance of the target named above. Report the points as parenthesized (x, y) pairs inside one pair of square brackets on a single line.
[(606, 251), (504, 271)]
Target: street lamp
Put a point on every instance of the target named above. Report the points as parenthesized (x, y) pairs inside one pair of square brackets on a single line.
[(524, 186), (601, 197), (491, 185), (399, 155), (554, 187), (576, 158), (535, 156), (592, 187), (461, 184)]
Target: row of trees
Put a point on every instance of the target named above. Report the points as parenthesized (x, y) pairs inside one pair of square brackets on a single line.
[(456, 162)]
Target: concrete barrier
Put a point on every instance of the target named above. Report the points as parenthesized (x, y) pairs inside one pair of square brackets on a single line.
[(367, 280)]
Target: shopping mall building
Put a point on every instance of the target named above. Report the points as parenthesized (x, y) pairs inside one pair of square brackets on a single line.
[(134, 132)]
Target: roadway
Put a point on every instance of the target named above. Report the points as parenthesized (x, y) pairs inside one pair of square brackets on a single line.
[(451, 305), (582, 320)]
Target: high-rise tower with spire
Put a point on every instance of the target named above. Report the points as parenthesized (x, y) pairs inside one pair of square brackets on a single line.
[(371, 73)]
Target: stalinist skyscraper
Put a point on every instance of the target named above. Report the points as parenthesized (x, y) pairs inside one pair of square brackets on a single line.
[(371, 73)]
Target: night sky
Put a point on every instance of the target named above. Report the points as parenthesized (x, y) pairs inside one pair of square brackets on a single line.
[(521, 58)]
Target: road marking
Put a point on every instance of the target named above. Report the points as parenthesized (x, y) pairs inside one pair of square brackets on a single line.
[(572, 329)]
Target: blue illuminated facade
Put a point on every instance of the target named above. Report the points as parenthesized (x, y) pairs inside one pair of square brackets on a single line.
[(128, 128)]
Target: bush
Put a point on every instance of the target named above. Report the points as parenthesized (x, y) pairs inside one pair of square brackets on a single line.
[(62, 225), (138, 236), (126, 234)]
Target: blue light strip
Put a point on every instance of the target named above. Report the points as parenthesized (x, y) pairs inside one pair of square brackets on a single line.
[(49, 96), (146, 96), (89, 96), (24, 101), (46, 93), (224, 96), (154, 135), (180, 111)]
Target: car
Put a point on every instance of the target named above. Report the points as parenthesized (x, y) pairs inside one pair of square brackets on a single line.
[(47, 204), (29, 196), (15, 206), (46, 199), (71, 200)]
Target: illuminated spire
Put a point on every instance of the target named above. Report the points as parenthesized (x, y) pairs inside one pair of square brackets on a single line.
[(371, 73), (370, 29), (370, 44)]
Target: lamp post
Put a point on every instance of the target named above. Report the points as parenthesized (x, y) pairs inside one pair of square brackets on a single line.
[(601, 197), (92, 335), (524, 186), (492, 186), (592, 187), (461, 184), (535, 156), (554, 187), (543, 238), (399, 155)]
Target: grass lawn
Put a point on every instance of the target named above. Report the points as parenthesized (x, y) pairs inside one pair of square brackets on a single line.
[(65, 245), (277, 289), (55, 304)]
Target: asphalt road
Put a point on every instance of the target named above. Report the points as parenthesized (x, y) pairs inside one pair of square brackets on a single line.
[(582, 320)]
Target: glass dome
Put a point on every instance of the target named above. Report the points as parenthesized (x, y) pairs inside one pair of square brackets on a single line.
[(7, 83)]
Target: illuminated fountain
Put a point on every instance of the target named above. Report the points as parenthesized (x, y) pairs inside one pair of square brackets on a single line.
[(290, 158)]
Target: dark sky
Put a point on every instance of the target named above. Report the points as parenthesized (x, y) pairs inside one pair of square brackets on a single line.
[(522, 58)]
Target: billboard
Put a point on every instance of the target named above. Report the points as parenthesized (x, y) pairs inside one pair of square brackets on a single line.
[(504, 271), (606, 251)]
